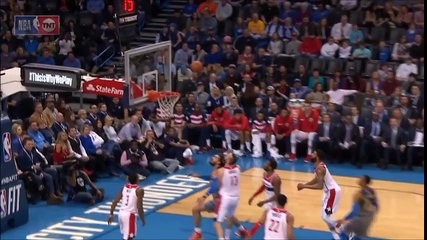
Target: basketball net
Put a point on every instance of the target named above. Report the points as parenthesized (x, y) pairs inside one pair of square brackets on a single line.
[(167, 101)]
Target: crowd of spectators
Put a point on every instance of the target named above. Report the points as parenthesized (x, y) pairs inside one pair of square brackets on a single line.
[(86, 29), (280, 79)]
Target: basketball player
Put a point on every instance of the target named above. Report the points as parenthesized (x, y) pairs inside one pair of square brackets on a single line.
[(261, 131), (331, 191), (365, 206), (280, 222), (229, 195), (131, 203), (217, 161), (271, 185)]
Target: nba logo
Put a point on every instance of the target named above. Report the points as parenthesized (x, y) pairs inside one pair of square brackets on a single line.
[(7, 147), (3, 204)]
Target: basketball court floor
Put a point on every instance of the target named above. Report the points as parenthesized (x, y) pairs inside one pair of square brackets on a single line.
[(169, 199)]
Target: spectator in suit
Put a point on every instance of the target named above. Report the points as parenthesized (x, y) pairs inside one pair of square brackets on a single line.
[(402, 121), (415, 143), (30, 163), (134, 161), (372, 138), (393, 143), (237, 128), (416, 98), (326, 138), (305, 128), (93, 114), (271, 97), (157, 161), (381, 111), (348, 138), (59, 125), (357, 119), (259, 107)]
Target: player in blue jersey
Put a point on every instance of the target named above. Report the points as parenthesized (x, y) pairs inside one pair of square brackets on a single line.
[(217, 161), (365, 206)]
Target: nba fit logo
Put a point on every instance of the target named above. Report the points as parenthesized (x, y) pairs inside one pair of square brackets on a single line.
[(7, 147), (3, 203)]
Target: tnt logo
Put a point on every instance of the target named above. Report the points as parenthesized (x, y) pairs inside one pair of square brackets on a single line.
[(3, 203), (7, 147), (48, 25)]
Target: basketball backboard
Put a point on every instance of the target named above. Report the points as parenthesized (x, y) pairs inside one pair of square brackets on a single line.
[(150, 67)]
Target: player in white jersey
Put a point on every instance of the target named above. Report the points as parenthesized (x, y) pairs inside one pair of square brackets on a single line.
[(271, 185), (131, 203), (229, 195), (279, 223), (331, 190)]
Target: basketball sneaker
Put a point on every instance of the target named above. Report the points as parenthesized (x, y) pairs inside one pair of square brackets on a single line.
[(307, 158), (196, 236), (292, 157), (242, 233)]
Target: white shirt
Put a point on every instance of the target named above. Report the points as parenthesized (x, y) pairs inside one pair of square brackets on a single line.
[(275, 47), (404, 69), (329, 50), (344, 52), (111, 133), (96, 139), (65, 46), (223, 11), (337, 96), (337, 29)]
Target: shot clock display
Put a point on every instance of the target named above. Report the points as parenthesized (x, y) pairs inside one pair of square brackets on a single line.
[(127, 12)]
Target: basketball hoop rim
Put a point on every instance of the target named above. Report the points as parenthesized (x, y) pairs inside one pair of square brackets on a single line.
[(163, 94)]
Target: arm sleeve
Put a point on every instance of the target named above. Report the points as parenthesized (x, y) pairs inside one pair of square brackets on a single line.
[(213, 187), (353, 212)]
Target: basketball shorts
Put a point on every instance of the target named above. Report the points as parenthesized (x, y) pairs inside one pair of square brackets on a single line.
[(235, 135), (225, 207), (331, 200), (127, 222)]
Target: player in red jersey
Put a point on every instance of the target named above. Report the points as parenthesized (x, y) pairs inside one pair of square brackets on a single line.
[(131, 197), (282, 128), (306, 129), (323, 180), (178, 120), (216, 124), (237, 128), (271, 185)]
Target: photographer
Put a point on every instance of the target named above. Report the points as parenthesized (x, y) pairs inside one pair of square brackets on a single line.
[(134, 161), (77, 181)]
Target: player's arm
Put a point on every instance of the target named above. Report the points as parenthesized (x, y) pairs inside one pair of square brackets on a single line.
[(114, 204), (220, 176), (258, 192), (212, 188), (139, 204), (318, 180), (354, 210), (290, 226)]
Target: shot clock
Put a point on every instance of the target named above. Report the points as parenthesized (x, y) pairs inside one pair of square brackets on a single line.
[(127, 12)]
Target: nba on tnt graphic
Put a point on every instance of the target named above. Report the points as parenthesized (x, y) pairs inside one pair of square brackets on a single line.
[(7, 147), (36, 25)]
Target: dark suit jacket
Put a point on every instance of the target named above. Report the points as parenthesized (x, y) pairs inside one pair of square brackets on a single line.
[(56, 128), (361, 121), (412, 133), (400, 138), (26, 160), (333, 129), (368, 129), (253, 113), (355, 133)]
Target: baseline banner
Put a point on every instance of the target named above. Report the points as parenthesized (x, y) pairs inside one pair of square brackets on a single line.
[(36, 25)]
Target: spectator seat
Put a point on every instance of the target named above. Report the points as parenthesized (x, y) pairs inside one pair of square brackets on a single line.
[(370, 67), (333, 65), (395, 34), (302, 59), (318, 63)]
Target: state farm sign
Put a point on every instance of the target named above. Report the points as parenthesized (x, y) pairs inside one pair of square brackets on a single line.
[(109, 88)]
